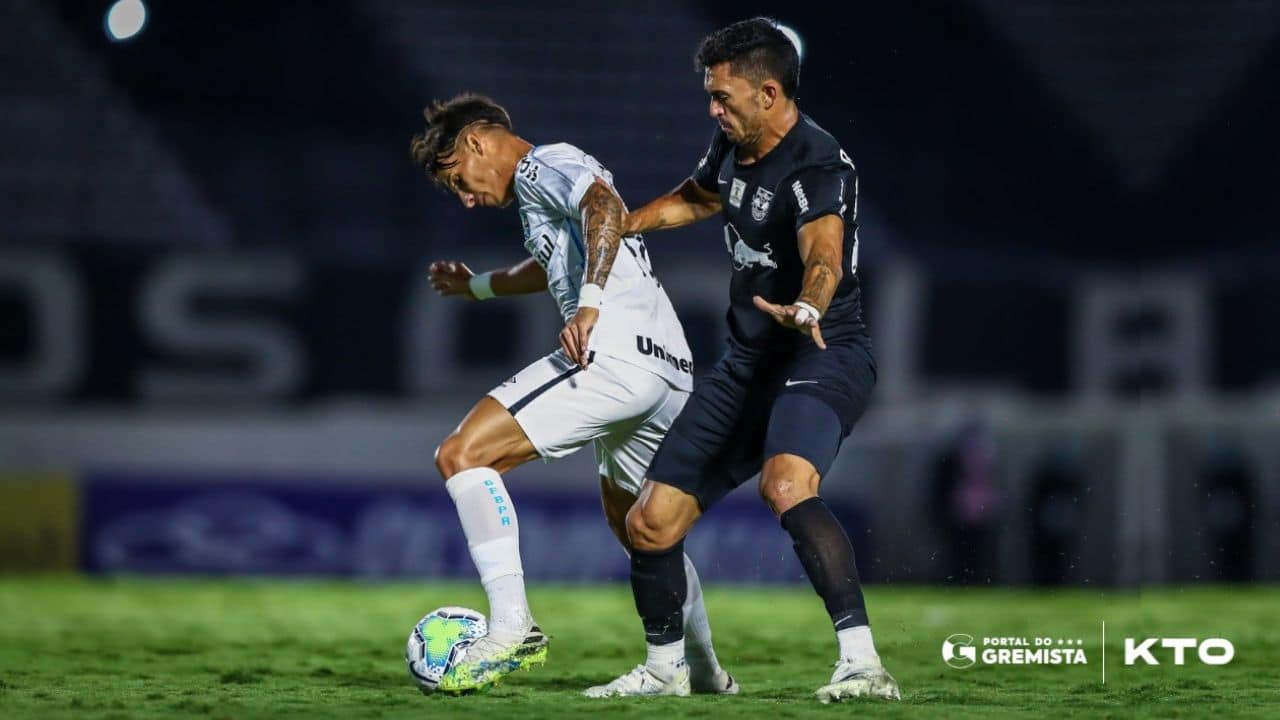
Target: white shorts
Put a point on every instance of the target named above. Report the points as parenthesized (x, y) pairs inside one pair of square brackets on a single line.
[(623, 409)]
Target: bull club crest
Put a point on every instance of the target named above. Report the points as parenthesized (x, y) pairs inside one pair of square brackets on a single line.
[(745, 256), (760, 204)]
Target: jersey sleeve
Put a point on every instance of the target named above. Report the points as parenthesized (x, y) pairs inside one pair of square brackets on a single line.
[(555, 182), (815, 192), (709, 166)]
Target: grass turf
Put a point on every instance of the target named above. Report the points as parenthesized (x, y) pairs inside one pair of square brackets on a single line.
[(245, 649)]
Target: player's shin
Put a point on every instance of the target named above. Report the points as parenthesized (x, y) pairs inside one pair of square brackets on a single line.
[(493, 536), (827, 556), (659, 586)]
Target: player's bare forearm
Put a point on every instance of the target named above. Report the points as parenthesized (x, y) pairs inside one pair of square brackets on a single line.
[(522, 278), (821, 276), (451, 278), (602, 216), (821, 245), (684, 205)]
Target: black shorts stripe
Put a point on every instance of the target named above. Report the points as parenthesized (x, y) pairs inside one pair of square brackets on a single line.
[(520, 404)]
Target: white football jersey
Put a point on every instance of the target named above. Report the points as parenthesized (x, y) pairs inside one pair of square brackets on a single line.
[(637, 323)]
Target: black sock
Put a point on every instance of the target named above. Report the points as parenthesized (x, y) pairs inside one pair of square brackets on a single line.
[(659, 587), (827, 556)]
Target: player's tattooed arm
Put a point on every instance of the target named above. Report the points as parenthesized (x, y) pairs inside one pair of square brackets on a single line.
[(821, 244), (686, 204), (602, 217)]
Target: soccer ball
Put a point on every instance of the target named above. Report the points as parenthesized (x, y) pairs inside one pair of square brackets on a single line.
[(439, 641)]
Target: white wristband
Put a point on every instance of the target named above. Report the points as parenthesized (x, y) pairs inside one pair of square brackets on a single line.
[(590, 296), (805, 312), (482, 286)]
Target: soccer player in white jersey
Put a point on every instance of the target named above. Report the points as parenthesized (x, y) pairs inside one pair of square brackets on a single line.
[(621, 376)]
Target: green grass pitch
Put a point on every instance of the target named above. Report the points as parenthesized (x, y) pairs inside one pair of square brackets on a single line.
[(264, 649)]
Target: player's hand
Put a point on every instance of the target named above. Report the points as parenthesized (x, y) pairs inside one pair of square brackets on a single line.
[(793, 316), (576, 333), (451, 278)]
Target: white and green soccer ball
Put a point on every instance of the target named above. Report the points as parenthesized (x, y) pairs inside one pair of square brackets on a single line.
[(439, 641)]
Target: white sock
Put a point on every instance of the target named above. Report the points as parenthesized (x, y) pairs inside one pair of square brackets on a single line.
[(493, 536), (856, 645), (697, 628), (509, 614), (665, 660)]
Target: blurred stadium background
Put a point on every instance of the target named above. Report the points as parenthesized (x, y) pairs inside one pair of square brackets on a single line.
[(219, 353)]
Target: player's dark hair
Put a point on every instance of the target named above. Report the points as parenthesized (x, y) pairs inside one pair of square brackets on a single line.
[(445, 121), (755, 49)]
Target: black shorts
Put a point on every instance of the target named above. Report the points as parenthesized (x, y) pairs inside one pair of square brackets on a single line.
[(750, 407)]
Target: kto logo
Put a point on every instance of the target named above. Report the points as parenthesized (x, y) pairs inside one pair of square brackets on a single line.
[(958, 651), (1212, 651)]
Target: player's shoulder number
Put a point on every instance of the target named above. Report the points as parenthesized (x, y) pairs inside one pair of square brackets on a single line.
[(528, 169)]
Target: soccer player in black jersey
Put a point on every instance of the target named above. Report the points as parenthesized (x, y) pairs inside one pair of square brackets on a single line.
[(798, 370)]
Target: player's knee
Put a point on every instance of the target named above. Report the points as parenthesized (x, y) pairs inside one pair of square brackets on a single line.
[(781, 493), (456, 454), (648, 533), (786, 481)]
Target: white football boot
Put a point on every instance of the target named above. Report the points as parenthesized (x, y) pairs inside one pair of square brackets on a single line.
[(858, 679), (641, 682), (487, 661)]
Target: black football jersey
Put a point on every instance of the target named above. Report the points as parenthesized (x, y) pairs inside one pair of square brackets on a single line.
[(804, 177)]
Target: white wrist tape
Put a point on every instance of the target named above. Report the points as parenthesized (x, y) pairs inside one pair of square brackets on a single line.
[(482, 286), (805, 313), (590, 296)]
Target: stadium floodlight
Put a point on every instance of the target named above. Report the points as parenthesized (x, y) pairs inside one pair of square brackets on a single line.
[(794, 37), (125, 19)]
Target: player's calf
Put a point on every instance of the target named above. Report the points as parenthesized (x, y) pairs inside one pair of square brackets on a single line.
[(471, 460), (705, 673), (789, 484)]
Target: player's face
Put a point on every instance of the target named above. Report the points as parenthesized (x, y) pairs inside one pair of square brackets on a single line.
[(474, 177), (735, 103)]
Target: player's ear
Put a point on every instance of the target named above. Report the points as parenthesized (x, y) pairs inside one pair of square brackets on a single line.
[(769, 94), (472, 142)]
